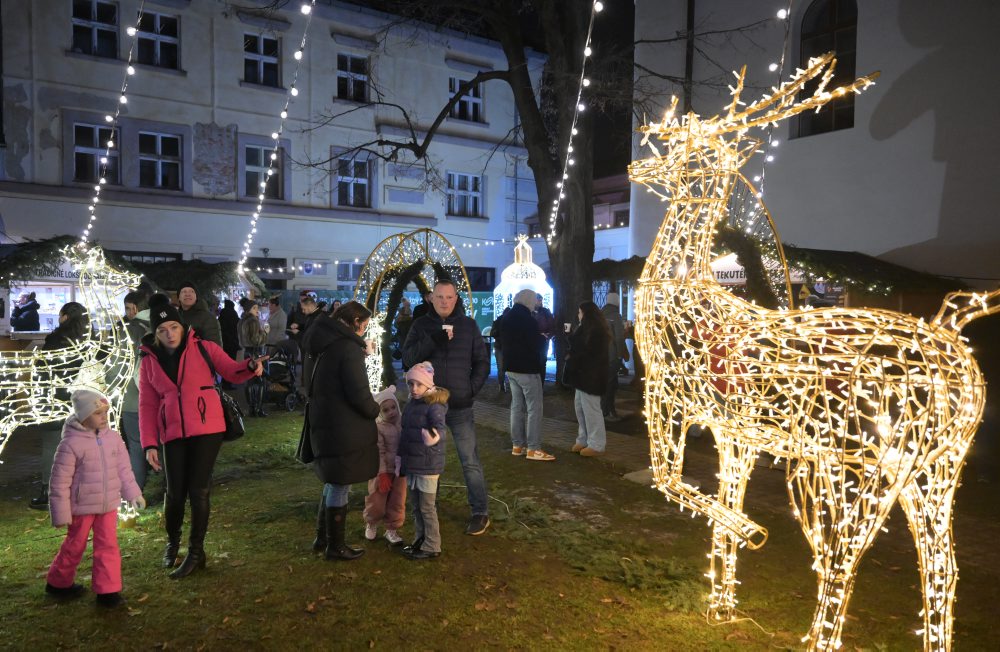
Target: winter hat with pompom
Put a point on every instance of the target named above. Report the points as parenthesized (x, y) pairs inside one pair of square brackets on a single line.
[(422, 372)]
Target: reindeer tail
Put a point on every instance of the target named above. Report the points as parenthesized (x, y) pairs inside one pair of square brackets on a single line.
[(960, 308)]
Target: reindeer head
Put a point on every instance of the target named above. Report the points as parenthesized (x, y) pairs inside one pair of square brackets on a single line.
[(697, 147)]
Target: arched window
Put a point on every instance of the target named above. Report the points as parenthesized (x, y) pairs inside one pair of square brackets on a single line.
[(829, 25)]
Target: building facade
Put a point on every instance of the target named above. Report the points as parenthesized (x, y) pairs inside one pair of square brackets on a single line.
[(193, 143), (904, 172)]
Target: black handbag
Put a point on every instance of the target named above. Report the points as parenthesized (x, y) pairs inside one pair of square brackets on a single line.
[(304, 452), (230, 409)]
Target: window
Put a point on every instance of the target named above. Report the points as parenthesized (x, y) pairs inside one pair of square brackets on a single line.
[(465, 194), (481, 279), (91, 157), (353, 182), (257, 162), (157, 41), (159, 161), (829, 25), (260, 60), (95, 28), (349, 272), (469, 106), (352, 78), (620, 218)]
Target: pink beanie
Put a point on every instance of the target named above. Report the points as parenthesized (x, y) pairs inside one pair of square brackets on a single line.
[(422, 372)]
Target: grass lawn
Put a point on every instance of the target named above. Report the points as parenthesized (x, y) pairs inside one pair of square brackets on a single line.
[(577, 558)]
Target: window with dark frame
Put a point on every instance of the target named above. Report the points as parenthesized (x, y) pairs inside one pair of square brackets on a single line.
[(464, 194), (620, 218), (160, 161), (158, 40), (91, 157), (470, 105), (260, 60), (354, 183), (95, 28), (481, 279), (829, 25), (352, 78), (256, 162)]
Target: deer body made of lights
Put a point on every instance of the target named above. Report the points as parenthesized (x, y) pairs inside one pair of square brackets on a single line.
[(871, 407), (103, 360)]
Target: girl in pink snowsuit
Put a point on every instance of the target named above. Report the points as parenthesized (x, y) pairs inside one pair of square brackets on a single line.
[(386, 500), (91, 472)]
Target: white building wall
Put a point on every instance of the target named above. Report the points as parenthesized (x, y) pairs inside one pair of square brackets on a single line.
[(913, 180), (46, 87)]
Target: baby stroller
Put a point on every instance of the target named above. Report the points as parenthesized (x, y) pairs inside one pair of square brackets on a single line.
[(280, 386)]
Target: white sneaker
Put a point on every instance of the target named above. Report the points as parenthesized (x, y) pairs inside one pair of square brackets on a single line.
[(393, 538), (371, 531)]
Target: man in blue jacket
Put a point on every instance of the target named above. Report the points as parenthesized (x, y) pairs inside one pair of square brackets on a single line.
[(451, 341)]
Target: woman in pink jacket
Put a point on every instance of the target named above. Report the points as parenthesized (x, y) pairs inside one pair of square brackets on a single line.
[(180, 410), (91, 472)]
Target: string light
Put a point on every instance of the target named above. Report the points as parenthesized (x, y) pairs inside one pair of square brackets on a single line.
[(379, 276), (112, 119), (33, 383), (306, 9), (779, 69), (579, 107)]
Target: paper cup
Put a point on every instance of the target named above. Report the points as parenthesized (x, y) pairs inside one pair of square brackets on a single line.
[(447, 327), (566, 327)]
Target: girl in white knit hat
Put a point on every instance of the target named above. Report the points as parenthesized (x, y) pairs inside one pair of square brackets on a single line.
[(386, 500)]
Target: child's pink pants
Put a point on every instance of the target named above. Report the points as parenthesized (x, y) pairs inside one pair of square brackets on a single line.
[(107, 570), (390, 506)]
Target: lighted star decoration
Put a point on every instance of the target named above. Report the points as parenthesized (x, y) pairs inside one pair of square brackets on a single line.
[(522, 274), (872, 408), (35, 385), (379, 276)]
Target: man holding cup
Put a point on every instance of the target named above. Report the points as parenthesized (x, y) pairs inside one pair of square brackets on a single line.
[(451, 341)]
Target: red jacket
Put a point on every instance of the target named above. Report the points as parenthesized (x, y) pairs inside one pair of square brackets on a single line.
[(191, 407)]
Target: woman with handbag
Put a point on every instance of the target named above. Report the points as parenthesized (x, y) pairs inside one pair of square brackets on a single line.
[(180, 411), (340, 419), (586, 371)]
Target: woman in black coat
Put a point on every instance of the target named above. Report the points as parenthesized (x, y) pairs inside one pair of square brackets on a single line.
[(229, 321), (586, 371), (341, 415)]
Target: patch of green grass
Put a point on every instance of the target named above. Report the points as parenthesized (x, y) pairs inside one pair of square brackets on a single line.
[(576, 558)]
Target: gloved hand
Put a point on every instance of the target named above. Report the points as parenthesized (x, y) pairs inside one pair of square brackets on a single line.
[(429, 436), (139, 503), (384, 482)]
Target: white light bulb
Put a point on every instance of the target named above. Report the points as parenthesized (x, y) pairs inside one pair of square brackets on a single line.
[(598, 6), (772, 67), (574, 131), (130, 70), (782, 14), (104, 159), (123, 99), (294, 91), (108, 118), (274, 156), (587, 51), (298, 55), (569, 149), (284, 114), (306, 9), (130, 30), (775, 143), (274, 135), (572, 161), (580, 107), (586, 82), (769, 158), (111, 144), (103, 181)]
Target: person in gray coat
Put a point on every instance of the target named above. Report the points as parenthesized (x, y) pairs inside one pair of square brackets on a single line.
[(277, 321)]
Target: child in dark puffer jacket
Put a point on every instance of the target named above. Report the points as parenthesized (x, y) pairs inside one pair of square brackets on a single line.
[(421, 449), (90, 474)]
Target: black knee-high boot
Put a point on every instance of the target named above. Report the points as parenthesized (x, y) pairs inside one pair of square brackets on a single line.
[(319, 544), (195, 559), (336, 518)]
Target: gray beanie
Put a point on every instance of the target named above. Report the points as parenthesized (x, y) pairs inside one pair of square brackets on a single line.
[(86, 402)]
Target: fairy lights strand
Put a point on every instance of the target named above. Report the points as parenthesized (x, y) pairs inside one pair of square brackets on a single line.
[(779, 70), (568, 160), (112, 119), (306, 10)]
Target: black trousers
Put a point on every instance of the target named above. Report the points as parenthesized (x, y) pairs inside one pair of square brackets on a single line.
[(188, 465)]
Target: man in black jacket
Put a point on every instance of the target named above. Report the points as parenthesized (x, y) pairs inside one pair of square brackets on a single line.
[(451, 341), (523, 346)]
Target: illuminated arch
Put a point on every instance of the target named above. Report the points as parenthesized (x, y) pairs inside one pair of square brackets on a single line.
[(392, 264)]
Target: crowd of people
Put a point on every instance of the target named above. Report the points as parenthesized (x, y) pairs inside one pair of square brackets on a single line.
[(173, 420)]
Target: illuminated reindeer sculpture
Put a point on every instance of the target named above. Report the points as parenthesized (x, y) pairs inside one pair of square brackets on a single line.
[(104, 360), (870, 407)]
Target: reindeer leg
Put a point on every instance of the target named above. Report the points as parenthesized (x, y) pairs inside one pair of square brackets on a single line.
[(736, 462), (927, 502), (835, 517)]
